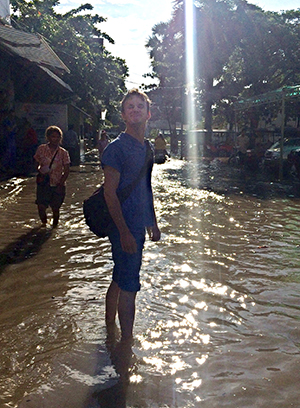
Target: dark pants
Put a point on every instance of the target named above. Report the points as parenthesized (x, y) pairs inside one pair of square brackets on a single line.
[(50, 196)]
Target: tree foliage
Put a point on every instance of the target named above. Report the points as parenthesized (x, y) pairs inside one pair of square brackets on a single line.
[(241, 51), (167, 65), (95, 74)]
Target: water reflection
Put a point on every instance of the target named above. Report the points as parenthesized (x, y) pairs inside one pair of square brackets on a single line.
[(123, 361), (216, 321)]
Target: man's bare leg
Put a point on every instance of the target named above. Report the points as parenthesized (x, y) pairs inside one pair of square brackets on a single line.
[(111, 303), (126, 310)]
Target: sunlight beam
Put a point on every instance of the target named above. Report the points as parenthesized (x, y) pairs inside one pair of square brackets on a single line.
[(190, 52)]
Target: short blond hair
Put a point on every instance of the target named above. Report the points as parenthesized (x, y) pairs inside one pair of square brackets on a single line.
[(140, 94), (53, 129)]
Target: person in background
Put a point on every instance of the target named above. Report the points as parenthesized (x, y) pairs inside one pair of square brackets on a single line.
[(160, 144), (102, 143), (29, 146), (53, 160), (259, 146), (71, 144), (9, 157), (242, 145), (122, 161), (160, 149)]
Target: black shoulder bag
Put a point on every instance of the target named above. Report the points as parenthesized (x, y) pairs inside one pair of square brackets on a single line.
[(95, 209), (44, 179)]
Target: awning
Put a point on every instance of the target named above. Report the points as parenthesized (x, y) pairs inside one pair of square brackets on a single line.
[(35, 55), (80, 110), (286, 92), (30, 47), (53, 76)]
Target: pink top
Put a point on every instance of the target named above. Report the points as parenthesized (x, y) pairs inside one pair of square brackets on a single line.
[(44, 156)]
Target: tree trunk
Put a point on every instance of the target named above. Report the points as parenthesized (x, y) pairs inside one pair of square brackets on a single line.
[(208, 109)]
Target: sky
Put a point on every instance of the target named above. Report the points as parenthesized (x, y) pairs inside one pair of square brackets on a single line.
[(130, 23)]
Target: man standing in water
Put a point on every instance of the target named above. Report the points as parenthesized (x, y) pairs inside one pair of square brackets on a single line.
[(122, 161)]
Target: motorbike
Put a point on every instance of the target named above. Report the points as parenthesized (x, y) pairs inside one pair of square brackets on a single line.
[(220, 150), (160, 156), (250, 161)]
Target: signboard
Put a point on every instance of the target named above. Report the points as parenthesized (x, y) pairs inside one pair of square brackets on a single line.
[(41, 116)]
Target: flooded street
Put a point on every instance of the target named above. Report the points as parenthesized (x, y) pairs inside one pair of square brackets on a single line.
[(217, 321)]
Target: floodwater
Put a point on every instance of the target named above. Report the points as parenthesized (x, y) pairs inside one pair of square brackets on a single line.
[(217, 321)]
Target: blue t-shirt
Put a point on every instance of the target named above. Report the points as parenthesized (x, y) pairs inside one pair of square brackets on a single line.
[(127, 155)]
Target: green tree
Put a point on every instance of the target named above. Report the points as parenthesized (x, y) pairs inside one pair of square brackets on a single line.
[(167, 61), (269, 56), (241, 51), (96, 75), (215, 40)]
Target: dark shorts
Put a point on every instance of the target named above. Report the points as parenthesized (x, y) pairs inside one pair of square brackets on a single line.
[(126, 272), (242, 157), (50, 196)]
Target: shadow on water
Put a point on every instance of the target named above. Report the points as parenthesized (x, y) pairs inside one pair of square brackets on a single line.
[(25, 247), (122, 359)]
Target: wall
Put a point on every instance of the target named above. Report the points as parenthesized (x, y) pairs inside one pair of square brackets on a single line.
[(43, 115)]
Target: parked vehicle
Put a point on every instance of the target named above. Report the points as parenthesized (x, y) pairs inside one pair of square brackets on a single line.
[(250, 162), (220, 150), (271, 160)]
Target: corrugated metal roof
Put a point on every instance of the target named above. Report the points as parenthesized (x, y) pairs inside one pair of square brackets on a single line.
[(80, 110), (268, 97), (30, 47)]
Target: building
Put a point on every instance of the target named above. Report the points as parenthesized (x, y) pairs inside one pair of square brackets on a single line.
[(32, 90)]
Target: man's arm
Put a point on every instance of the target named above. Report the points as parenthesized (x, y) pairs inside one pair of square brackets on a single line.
[(111, 183), (154, 232)]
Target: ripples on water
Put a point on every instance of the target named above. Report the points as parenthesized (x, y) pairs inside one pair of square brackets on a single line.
[(217, 316)]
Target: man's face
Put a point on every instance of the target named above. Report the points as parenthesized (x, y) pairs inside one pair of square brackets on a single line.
[(135, 111)]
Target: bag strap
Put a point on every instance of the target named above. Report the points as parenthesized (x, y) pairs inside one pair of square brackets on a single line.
[(52, 160), (126, 191)]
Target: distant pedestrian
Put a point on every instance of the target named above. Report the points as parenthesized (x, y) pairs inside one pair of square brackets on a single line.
[(71, 143), (243, 142), (102, 143), (160, 149), (53, 163), (9, 125), (29, 146)]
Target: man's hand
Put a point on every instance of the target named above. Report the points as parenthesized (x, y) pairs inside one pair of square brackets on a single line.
[(154, 233), (128, 242)]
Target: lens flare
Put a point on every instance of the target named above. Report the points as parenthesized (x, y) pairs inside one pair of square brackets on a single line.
[(190, 52)]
